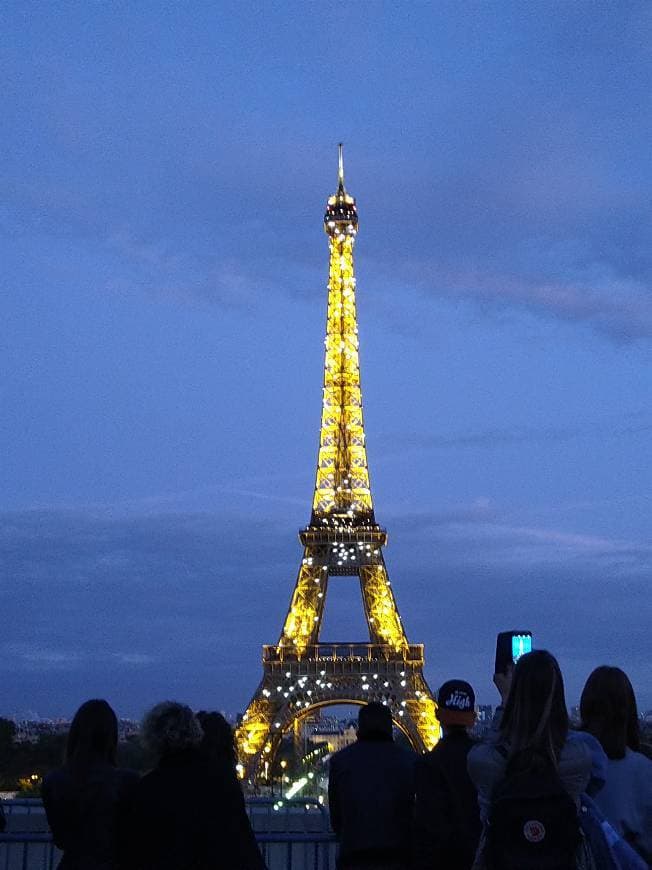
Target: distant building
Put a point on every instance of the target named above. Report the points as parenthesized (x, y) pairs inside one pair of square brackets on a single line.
[(31, 730), (336, 738), (485, 713), (127, 728), (484, 718)]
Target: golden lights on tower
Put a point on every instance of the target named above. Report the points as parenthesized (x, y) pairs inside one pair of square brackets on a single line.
[(301, 672), (342, 483)]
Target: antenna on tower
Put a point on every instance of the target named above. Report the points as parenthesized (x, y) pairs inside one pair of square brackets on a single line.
[(340, 169)]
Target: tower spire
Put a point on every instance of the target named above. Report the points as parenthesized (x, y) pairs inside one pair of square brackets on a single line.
[(340, 169), (342, 492)]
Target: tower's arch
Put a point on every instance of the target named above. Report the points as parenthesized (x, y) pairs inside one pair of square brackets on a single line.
[(332, 674), (320, 705)]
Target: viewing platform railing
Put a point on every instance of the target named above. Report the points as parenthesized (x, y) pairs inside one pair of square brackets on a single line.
[(336, 651), (281, 851), (316, 535), (294, 837)]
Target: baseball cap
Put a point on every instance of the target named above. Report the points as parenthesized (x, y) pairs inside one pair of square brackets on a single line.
[(456, 703)]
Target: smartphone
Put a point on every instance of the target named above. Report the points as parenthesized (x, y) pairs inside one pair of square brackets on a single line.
[(510, 646)]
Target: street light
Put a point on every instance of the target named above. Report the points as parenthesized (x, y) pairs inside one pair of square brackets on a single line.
[(284, 764)]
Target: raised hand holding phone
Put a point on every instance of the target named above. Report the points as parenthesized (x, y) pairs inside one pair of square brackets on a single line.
[(510, 646), (503, 682)]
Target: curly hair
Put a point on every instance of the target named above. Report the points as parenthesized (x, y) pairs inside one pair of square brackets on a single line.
[(170, 727)]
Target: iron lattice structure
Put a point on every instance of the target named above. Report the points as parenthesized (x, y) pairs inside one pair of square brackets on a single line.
[(301, 674)]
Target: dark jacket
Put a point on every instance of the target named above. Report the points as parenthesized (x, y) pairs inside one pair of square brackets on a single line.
[(86, 814), (371, 800), (189, 814), (447, 818)]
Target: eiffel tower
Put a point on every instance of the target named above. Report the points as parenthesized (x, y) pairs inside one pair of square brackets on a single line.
[(300, 673)]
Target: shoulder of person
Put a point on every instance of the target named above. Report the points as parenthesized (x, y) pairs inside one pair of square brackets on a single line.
[(578, 750), (575, 766), (434, 755), (346, 751), (407, 756), (429, 762), (457, 740), (486, 763), (641, 764), (341, 755), (599, 761), (487, 753)]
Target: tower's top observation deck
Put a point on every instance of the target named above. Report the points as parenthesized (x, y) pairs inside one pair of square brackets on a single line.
[(341, 218)]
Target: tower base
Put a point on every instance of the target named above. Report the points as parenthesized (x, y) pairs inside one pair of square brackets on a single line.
[(334, 673)]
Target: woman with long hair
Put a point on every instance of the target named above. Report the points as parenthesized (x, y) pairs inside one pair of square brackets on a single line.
[(218, 743), (535, 719), (530, 739), (85, 799), (609, 712)]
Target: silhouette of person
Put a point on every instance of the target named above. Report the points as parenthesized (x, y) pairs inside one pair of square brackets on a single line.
[(609, 713), (86, 800), (447, 816), (218, 746), (530, 733), (186, 813), (371, 796)]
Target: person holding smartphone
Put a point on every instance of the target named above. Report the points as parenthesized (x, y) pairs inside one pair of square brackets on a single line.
[(529, 774)]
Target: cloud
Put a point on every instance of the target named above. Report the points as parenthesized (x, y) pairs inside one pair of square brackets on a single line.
[(609, 427), (617, 308), (165, 270), (138, 607), (482, 438), (474, 571), (482, 529), (129, 599), (37, 657)]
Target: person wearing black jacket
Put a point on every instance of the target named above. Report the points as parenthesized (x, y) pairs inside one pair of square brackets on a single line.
[(371, 796), (447, 817), (85, 800), (189, 812)]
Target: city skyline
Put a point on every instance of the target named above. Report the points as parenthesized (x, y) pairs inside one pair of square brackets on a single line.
[(166, 270)]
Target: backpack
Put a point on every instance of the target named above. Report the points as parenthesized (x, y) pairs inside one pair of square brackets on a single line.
[(533, 823)]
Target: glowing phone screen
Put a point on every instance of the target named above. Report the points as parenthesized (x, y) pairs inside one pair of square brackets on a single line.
[(521, 644)]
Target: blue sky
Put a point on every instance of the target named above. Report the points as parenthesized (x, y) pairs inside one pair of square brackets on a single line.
[(165, 170)]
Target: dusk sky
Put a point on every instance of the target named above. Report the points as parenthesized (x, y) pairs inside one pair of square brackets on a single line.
[(165, 169)]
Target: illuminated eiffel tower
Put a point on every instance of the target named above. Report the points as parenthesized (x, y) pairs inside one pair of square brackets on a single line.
[(300, 673)]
